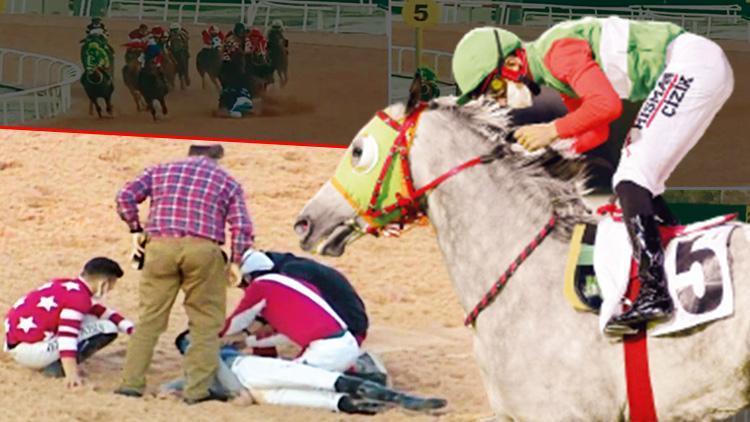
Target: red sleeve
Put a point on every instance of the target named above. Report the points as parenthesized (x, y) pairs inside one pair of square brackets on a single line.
[(571, 61), (249, 307), (74, 307), (101, 311), (588, 140)]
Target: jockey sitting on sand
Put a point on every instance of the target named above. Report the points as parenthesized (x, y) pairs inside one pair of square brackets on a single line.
[(296, 310), (683, 79), (63, 323), (281, 382), (209, 34), (333, 286)]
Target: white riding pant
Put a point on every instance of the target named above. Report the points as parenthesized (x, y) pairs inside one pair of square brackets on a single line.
[(43, 353), (288, 383), (696, 82), (334, 354)]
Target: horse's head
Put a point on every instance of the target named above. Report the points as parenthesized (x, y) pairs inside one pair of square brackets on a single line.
[(382, 181)]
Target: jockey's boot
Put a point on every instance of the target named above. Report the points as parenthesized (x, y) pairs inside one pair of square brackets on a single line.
[(663, 213), (360, 388), (349, 404), (91, 345), (653, 302)]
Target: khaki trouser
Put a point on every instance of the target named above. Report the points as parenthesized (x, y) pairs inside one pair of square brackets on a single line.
[(197, 267)]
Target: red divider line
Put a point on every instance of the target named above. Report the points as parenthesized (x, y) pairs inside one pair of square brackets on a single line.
[(173, 137)]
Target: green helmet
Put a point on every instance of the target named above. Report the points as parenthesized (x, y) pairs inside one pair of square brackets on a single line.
[(477, 55)]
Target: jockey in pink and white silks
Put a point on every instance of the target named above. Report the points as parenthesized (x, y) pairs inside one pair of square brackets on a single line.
[(682, 79), (297, 311)]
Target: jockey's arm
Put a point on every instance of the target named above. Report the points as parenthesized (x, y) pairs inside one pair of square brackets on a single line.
[(571, 61), (590, 139)]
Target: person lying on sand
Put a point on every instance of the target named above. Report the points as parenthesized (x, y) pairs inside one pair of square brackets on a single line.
[(266, 380), (63, 322)]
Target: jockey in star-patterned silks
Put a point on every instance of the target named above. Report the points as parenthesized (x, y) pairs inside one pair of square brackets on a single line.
[(682, 79)]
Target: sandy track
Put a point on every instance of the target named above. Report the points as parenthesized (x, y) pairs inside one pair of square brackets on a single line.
[(59, 211)]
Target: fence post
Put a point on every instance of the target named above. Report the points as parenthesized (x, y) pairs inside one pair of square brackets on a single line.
[(338, 20), (304, 19), (19, 76), (708, 29), (165, 17), (109, 8), (197, 11), (242, 12), (140, 10), (179, 13), (268, 16)]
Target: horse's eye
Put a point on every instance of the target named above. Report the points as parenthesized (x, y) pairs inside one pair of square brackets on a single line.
[(364, 154)]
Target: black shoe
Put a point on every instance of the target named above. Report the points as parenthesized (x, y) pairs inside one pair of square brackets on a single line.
[(128, 392), (653, 302), (348, 404), (359, 388), (212, 395)]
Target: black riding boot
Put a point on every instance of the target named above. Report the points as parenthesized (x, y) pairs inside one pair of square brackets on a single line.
[(86, 349), (360, 388), (640, 211)]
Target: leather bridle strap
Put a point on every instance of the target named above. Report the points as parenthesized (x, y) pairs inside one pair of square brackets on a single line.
[(496, 288)]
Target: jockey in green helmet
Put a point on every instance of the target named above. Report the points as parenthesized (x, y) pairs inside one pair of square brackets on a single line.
[(594, 63)]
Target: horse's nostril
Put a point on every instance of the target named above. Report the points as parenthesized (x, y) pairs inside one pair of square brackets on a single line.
[(302, 226)]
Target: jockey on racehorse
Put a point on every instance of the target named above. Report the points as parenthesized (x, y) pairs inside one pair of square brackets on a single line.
[(176, 30), (96, 23), (683, 79), (96, 53), (155, 45), (209, 34), (256, 45), (137, 41)]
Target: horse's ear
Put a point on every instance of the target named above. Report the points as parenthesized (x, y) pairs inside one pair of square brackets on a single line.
[(415, 93)]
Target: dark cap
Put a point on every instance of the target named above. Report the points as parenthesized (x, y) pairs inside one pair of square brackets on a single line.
[(212, 151)]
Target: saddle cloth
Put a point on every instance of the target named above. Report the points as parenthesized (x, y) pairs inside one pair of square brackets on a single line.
[(696, 265)]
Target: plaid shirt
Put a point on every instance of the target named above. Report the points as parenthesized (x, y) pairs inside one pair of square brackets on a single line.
[(192, 197)]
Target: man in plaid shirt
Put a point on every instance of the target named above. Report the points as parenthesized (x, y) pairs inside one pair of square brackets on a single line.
[(191, 202)]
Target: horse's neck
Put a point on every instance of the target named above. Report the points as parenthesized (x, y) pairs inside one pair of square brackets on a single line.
[(483, 220)]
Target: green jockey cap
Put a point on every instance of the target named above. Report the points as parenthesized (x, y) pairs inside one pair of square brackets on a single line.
[(478, 54)]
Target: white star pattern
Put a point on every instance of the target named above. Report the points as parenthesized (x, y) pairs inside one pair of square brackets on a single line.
[(47, 302), (48, 335), (45, 286), (19, 302), (26, 324), (71, 286)]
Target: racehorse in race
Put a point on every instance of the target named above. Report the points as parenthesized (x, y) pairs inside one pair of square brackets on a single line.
[(97, 57), (278, 51), (130, 73), (208, 62), (178, 51), (153, 86), (486, 199)]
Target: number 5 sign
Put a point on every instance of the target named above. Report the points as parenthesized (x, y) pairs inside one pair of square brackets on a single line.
[(421, 13)]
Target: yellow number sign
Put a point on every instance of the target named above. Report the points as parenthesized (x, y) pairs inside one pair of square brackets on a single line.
[(421, 13)]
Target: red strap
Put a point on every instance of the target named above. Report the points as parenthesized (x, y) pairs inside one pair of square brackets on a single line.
[(388, 120), (637, 374)]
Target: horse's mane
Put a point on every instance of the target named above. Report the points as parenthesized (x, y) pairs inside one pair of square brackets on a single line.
[(547, 177)]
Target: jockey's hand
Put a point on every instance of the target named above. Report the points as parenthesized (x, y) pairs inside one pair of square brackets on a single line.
[(73, 381), (534, 137)]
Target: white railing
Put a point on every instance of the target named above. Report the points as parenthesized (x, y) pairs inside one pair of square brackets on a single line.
[(715, 21), (41, 86), (329, 16), (439, 61)]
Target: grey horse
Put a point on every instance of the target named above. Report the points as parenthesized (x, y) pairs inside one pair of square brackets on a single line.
[(540, 360)]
